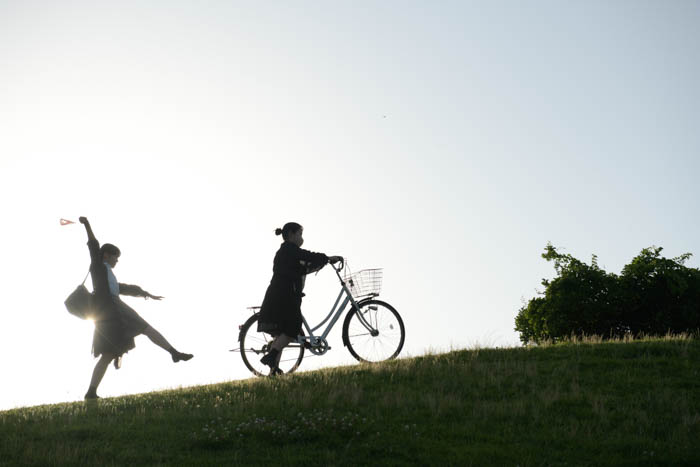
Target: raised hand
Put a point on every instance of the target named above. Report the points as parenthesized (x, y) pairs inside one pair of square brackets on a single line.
[(83, 220), (154, 297)]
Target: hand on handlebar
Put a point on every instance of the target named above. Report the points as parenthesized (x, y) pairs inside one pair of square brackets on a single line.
[(337, 259)]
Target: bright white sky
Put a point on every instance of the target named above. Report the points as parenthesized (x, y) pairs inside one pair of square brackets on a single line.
[(446, 142)]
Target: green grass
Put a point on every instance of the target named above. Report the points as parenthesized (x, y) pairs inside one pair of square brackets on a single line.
[(580, 403)]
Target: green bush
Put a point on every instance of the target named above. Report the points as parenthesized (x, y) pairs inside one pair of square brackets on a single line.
[(653, 296)]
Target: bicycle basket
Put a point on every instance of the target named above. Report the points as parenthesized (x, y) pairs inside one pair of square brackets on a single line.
[(365, 283)]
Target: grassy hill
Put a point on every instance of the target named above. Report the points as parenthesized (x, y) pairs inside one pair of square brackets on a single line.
[(585, 403)]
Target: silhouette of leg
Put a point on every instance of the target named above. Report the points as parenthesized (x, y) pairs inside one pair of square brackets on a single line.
[(280, 343), (97, 375), (272, 358), (158, 339)]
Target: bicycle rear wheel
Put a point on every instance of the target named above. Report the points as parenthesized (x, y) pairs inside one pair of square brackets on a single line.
[(255, 344), (383, 341)]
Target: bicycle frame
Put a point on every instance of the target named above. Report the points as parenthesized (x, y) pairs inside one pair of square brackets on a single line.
[(318, 344)]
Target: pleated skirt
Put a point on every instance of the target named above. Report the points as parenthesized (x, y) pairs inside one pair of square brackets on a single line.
[(115, 334)]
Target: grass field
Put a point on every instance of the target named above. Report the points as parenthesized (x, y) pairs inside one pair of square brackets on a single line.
[(580, 403)]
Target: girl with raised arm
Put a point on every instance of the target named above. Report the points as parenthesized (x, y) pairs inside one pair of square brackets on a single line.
[(116, 323), (280, 314)]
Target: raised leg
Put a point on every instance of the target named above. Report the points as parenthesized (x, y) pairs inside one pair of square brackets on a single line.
[(158, 339)]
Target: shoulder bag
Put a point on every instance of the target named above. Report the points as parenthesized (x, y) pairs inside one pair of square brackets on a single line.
[(79, 303)]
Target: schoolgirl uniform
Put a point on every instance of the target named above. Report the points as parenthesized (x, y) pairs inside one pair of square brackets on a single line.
[(116, 323), (280, 312)]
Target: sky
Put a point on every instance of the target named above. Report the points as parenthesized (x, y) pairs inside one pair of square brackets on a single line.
[(445, 142)]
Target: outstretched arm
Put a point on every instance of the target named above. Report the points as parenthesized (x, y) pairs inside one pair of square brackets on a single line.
[(93, 244), (86, 223), (316, 261), (136, 291)]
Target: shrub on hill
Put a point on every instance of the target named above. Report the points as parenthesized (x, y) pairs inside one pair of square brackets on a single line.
[(652, 296)]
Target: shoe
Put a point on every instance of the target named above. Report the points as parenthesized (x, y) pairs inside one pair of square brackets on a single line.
[(276, 372), (179, 356), (117, 362), (271, 358), (91, 395)]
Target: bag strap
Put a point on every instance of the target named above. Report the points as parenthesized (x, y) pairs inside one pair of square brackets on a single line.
[(86, 276)]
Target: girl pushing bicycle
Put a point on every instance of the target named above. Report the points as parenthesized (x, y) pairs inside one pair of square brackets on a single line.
[(280, 313)]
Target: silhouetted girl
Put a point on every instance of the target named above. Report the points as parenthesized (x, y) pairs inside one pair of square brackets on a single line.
[(280, 314), (116, 323)]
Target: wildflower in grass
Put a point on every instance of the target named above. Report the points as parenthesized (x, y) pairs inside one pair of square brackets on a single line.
[(286, 429)]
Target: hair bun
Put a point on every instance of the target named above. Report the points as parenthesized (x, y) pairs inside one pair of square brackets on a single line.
[(278, 231)]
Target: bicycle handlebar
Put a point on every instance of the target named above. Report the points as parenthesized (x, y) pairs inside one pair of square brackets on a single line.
[(342, 264)]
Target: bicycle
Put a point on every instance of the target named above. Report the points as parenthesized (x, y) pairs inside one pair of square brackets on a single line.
[(373, 330)]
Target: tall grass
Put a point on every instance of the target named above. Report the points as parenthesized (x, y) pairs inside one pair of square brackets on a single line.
[(583, 402)]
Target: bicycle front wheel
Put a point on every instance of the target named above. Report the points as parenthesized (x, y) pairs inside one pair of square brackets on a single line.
[(382, 340), (255, 344)]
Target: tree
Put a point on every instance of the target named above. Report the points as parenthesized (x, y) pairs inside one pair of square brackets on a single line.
[(654, 295), (660, 294)]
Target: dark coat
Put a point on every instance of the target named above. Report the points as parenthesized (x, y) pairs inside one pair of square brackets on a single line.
[(102, 301), (281, 308), (114, 328)]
